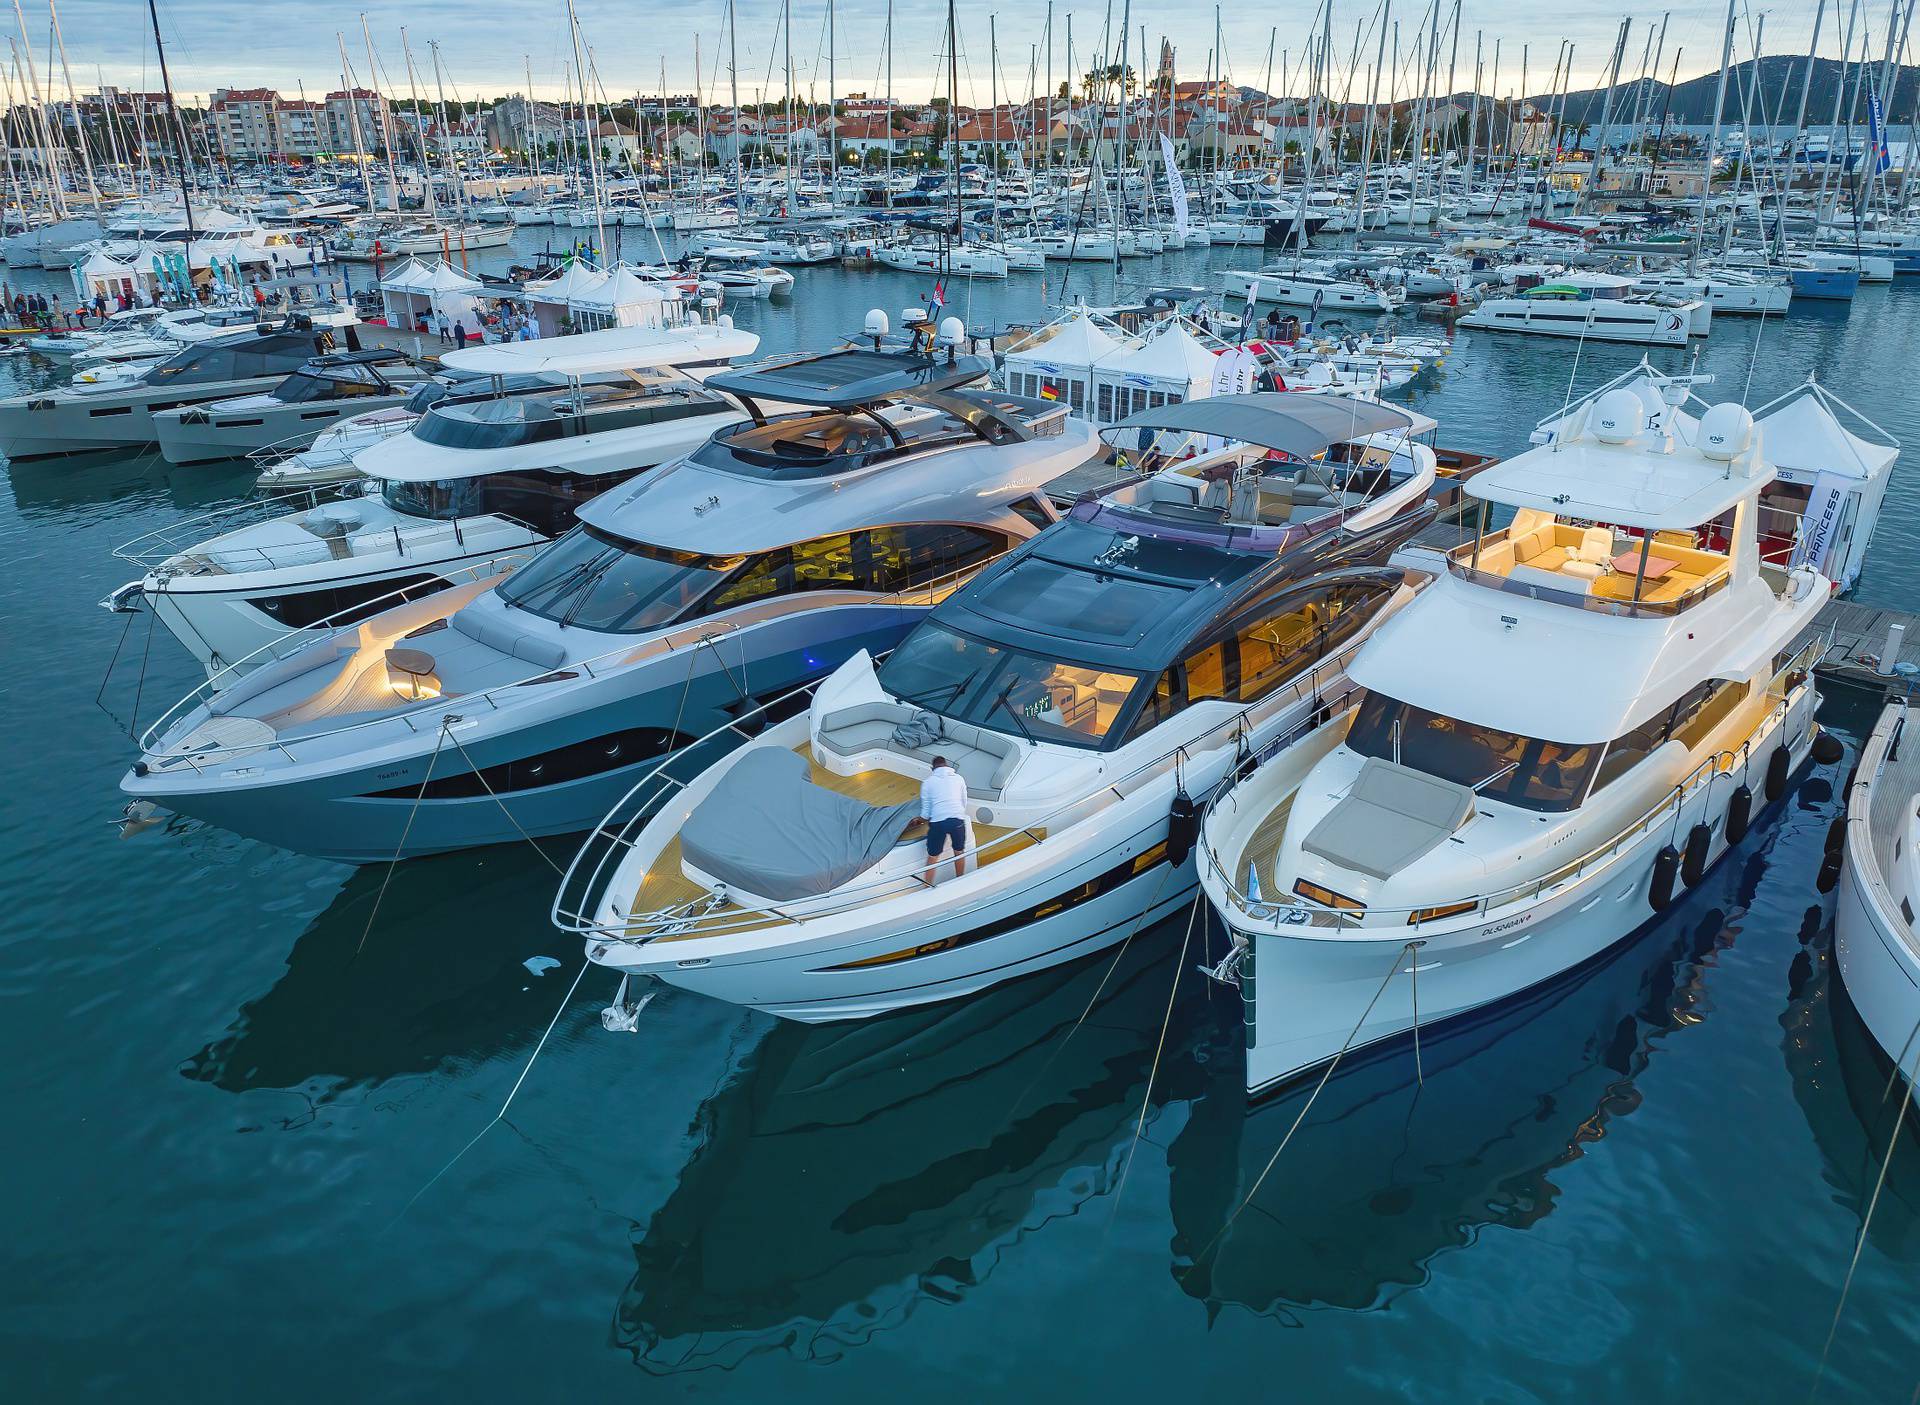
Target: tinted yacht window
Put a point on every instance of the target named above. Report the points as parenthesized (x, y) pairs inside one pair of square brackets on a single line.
[(1523, 771), (1018, 692), (605, 583)]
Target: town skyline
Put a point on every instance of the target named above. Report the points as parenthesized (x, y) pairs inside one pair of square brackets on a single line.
[(213, 44)]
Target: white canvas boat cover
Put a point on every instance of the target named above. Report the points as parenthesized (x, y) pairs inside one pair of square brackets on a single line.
[(767, 830)]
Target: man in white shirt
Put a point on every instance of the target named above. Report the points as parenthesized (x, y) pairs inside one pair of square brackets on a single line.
[(943, 805)]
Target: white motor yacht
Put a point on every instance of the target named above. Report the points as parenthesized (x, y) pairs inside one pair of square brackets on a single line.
[(470, 488), (1874, 939), (1729, 291), (1586, 709), (1090, 690), (526, 704), (1593, 307)]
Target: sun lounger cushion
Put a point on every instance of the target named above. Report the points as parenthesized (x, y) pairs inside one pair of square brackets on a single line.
[(767, 830)]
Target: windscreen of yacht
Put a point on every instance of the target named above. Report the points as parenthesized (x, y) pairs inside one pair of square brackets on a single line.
[(1504, 766), (1017, 692), (330, 383), (609, 584)]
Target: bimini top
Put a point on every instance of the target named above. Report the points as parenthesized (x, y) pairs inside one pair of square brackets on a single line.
[(1611, 465), (1300, 425), (614, 349), (849, 378)]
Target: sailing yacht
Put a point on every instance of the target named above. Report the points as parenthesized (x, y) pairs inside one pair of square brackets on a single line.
[(1580, 715), (526, 704), (1089, 689), (1298, 285)]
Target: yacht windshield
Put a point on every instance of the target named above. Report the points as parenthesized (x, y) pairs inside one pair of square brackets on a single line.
[(1002, 689), (1505, 766), (333, 383), (605, 583), (439, 500)]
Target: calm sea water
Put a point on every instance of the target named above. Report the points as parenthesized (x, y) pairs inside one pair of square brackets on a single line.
[(234, 1090)]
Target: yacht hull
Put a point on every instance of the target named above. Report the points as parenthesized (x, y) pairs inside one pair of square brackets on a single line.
[(1309, 999), (1877, 958), (367, 805), (47, 426), (196, 434), (1083, 890)]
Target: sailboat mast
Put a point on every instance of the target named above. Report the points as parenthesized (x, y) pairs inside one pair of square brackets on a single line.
[(166, 86)]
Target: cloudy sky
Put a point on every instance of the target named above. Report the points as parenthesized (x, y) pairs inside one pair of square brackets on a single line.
[(487, 46)]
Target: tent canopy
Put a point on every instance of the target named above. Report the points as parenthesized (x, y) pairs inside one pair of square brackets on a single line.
[(1803, 434), (1172, 357), (1080, 344)]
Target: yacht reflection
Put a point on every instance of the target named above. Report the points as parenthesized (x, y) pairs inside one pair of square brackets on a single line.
[(846, 1173), (1841, 1081), (346, 1014), (1382, 1176)]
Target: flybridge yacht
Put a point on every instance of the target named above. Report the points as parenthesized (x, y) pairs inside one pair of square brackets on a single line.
[(1726, 290), (478, 480), (1088, 690), (1553, 743), (1594, 307), (323, 391), (1874, 940), (526, 704), (119, 413)]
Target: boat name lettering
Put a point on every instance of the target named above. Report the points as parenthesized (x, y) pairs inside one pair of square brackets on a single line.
[(1507, 926)]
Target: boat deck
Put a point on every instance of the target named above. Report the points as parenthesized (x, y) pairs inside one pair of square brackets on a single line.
[(666, 885)]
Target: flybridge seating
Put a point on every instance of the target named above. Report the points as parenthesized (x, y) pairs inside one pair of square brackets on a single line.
[(1542, 551), (863, 407), (1627, 509), (1288, 461)]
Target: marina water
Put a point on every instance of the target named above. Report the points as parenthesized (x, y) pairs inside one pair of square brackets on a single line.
[(237, 1078)]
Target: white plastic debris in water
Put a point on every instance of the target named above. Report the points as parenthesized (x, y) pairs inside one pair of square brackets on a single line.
[(540, 965)]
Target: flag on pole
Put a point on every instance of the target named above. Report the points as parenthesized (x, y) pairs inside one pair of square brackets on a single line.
[(1877, 131), (939, 298)]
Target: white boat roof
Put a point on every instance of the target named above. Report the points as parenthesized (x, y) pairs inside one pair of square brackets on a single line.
[(1654, 480), (612, 349)]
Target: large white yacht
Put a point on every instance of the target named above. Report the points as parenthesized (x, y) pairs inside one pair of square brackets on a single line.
[(526, 704), (1089, 690), (1874, 937), (1295, 285), (1579, 716), (1594, 307), (474, 484)]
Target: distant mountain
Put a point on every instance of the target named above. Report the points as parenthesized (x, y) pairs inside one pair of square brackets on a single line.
[(1781, 76)]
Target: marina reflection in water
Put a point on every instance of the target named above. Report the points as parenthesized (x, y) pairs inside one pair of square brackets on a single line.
[(238, 1088)]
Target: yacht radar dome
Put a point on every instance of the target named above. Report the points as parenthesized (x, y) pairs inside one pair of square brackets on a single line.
[(1726, 431), (876, 324), (1618, 416), (952, 331)]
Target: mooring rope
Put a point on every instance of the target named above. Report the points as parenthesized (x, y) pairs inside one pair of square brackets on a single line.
[(1146, 1099), (1311, 1099)]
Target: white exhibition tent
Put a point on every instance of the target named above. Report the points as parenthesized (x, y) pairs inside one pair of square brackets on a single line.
[(584, 298), (419, 292), (1169, 366), (1062, 365)]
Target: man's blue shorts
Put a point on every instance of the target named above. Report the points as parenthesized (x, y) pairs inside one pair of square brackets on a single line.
[(940, 831)]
